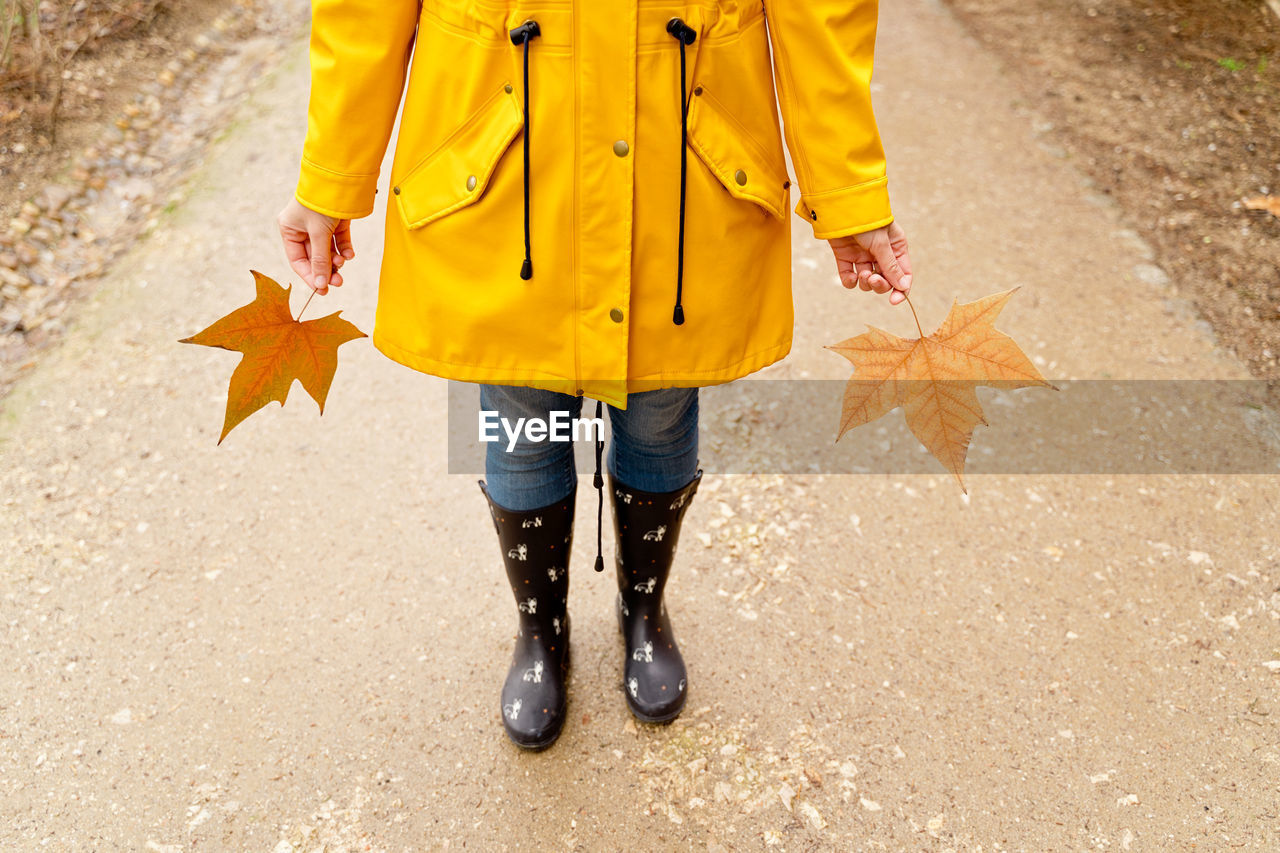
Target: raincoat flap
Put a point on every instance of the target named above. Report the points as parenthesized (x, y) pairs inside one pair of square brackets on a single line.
[(457, 172), (741, 164)]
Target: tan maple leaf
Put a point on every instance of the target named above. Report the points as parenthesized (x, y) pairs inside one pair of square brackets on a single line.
[(934, 378), (277, 350)]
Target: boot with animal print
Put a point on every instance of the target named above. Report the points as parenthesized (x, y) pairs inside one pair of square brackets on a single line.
[(535, 549), (647, 525)]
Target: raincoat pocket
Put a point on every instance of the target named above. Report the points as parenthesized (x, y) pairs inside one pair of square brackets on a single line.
[(458, 171), (737, 160)]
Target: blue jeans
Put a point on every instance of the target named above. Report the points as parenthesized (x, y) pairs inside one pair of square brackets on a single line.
[(654, 446)]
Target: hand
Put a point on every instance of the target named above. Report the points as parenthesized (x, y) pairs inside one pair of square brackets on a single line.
[(875, 260), (316, 245)]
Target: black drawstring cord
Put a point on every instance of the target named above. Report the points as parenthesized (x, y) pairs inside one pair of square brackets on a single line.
[(684, 34), (599, 483), (522, 35)]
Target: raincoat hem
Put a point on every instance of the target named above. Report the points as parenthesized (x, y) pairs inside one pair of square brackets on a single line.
[(526, 376), (750, 364), (482, 373)]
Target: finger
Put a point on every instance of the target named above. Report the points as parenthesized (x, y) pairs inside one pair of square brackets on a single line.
[(865, 277), (899, 295), (845, 269), (295, 252), (338, 260), (849, 272), (905, 260), (877, 280), (887, 261), (321, 264), (904, 283), (898, 240), (335, 279), (342, 238), (845, 272)]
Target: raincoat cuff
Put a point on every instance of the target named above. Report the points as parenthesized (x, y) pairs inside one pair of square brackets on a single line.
[(336, 194), (848, 210)]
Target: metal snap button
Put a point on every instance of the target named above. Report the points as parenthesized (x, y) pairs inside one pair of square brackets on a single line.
[(621, 148), (396, 190), (615, 315), (741, 177), (471, 182), (507, 88)]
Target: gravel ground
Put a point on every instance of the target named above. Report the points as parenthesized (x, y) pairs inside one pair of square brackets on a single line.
[(295, 641)]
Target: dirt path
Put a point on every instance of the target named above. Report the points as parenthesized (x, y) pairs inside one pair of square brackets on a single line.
[(296, 639), (80, 204), (1170, 107)]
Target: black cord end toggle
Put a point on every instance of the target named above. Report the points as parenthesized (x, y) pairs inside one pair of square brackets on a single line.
[(526, 269), (525, 31), (681, 30), (599, 563), (677, 316)]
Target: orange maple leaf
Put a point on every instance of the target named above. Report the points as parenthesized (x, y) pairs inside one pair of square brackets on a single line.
[(935, 378), (277, 350), (1269, 203)]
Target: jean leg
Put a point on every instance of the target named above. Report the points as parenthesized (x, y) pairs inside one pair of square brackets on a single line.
[(655, 439), (532, 474)]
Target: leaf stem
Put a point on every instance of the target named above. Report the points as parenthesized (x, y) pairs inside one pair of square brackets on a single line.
[(313, 293), (913, 314)]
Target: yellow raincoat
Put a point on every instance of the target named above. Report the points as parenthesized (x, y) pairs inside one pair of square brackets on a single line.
[(624, 158)]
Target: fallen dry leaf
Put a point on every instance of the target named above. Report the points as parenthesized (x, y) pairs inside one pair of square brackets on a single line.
[(1270, 203), (277, 350), (935, 378)]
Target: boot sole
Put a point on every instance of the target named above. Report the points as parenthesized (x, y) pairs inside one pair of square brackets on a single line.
[(536, 746), (647, 719)]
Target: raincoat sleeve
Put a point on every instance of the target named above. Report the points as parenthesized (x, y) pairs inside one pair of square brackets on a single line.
[(359, 57), (822, 58)]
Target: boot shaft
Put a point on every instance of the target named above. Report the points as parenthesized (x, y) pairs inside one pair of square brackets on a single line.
[(535, 546), (647, 525)]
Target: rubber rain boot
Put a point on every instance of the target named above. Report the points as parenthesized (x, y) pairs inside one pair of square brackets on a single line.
[(647, 525), (535, 549)]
